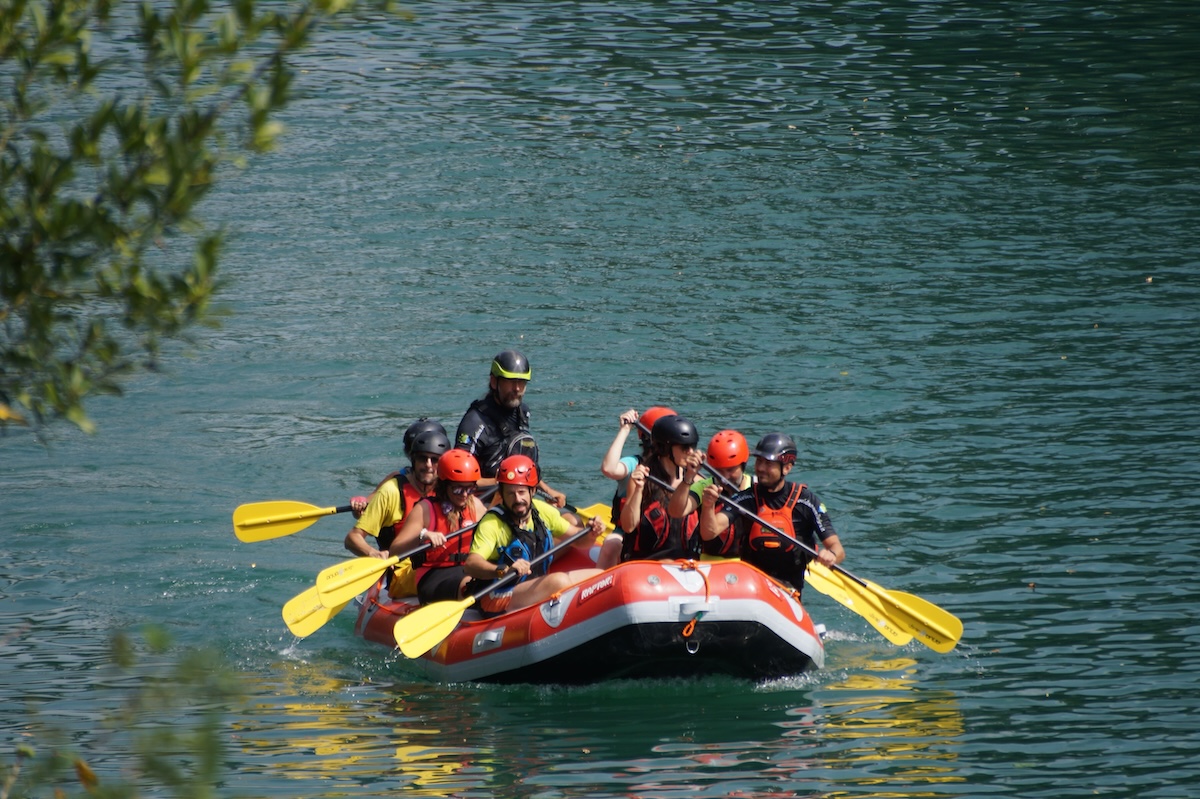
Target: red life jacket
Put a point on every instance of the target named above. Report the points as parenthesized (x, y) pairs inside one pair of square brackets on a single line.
[(659, 537), (409, 497), (772, 553), (759, 538), (454, 551)]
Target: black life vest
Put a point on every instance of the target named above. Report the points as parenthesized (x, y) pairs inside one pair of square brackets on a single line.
[(526, 544)]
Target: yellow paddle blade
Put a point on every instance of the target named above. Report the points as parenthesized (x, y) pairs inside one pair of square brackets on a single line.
[(262, 521), (426, 627), (938, 629), (342, 582), (934, 627), (860, 600), (603, 511), (304, 614)]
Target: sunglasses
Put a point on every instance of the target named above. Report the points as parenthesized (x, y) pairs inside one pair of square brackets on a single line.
[(420, 457), (459, 491)]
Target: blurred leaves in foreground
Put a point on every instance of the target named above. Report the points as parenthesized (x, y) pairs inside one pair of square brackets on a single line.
[(163, 735)]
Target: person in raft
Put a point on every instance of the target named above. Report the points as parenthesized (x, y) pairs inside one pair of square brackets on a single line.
[(438, 571), (496, 425), (616, 467), (392, 499), (727, 455), (513, 533), (651, 533), (789, 507)]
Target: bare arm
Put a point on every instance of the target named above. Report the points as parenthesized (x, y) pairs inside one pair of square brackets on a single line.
[(631, 513), (557, 498), (356, 542), (683, 501), (611, 467), (712, 524), (409, 534), (832, 553)]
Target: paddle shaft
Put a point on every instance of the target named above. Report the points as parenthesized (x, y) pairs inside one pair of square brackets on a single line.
[(936, 627), (426, 627), (768, 526), (295, 517), (355, 576), (512, 576)]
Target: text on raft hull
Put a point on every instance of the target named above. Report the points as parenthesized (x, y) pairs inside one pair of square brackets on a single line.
[(642, 619)]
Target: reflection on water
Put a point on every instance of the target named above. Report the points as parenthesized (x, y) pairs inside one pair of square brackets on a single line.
[(874, 725), (901, 734)]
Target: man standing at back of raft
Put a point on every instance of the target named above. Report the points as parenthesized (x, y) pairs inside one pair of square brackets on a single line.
[(789, 507), (497, 424)]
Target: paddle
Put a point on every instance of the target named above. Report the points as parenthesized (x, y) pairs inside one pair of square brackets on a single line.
[(262, 521), (858, 599), (342, 582), (304, 614), (426, 627), (934, 627)]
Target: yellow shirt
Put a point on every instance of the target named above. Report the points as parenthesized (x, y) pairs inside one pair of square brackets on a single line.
[(385, 509), (492, 535)]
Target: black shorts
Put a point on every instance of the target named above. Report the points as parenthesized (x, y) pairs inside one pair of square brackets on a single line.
[(441, 584)]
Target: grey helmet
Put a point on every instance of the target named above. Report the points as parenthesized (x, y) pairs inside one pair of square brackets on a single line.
[(777, 447), (422, 425)]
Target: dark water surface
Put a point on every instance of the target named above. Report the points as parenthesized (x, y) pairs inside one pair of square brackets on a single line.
[(952, 248)]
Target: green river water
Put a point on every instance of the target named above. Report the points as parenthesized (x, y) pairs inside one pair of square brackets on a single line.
[(953, 248)]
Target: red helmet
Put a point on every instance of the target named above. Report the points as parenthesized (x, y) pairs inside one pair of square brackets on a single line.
[(652, 415), (459, 466), (518, 470), (727, 449)]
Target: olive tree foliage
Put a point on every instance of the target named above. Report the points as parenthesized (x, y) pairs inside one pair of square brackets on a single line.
[(117, 119)]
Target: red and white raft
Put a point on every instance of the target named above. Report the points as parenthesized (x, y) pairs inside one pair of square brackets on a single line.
[(640, 619)]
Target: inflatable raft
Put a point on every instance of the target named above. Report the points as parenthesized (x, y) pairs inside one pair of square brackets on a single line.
[(639, 619)]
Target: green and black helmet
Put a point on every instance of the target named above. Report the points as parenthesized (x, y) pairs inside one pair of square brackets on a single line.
[(511, 364)]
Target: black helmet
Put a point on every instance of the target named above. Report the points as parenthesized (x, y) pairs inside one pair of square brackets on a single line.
[(418, 427), (433, 442), (674, 430), (511, 364), (777, 447)]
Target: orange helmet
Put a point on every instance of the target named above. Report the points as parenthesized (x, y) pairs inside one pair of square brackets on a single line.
[(652, 415), (727, 449), (459, 466), (518, 470)]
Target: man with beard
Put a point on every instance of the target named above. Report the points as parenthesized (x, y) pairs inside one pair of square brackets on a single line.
[(789, 507), (497, 425), (516, 532), (392, 499)]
